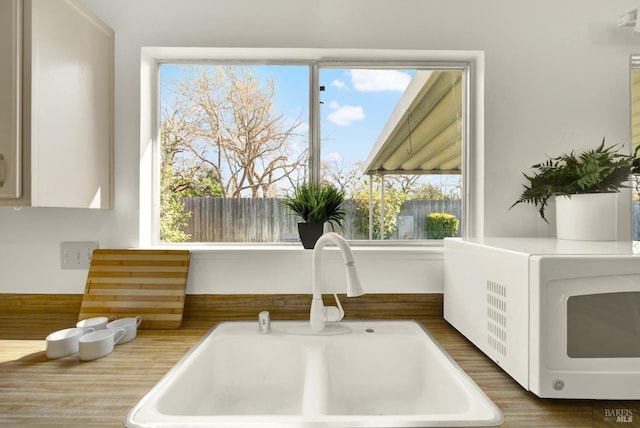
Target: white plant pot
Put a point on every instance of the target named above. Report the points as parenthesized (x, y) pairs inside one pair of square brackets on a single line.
[(587, 217)]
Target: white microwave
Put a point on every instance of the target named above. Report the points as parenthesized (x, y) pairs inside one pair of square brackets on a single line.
[(561, 317)]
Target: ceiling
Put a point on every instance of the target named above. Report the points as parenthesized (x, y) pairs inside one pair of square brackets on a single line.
[(424, 133)]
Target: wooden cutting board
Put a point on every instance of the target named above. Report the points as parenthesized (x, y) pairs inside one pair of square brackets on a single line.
[(149, 283)]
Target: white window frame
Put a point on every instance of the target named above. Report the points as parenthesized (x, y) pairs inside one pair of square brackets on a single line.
[(471, 62)]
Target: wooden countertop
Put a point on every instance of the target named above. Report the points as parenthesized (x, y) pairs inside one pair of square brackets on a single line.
[(68, 392)]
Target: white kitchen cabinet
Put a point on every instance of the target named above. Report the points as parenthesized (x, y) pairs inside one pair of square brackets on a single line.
[(67, 107), (10, 102)]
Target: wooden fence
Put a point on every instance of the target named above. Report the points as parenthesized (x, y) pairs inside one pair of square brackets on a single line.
[(268, 220)]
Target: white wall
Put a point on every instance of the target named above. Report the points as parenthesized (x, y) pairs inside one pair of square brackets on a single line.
[(556, 78)]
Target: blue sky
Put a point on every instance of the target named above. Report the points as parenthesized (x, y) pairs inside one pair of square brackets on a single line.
[(356, 106)]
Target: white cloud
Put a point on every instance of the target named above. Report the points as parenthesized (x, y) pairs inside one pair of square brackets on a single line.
[(379, 80), (345, 115), (333, 157), (334, 105), (339, 84)]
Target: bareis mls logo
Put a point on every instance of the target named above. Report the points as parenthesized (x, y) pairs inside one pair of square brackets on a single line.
[(618, 415)]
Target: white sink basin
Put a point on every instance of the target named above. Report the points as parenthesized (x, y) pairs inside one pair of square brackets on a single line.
[(237, 376), (390, 375), (382, 374)]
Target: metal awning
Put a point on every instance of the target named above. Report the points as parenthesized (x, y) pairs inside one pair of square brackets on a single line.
[(424, 133)]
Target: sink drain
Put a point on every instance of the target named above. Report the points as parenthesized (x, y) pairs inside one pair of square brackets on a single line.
[(370, 330)]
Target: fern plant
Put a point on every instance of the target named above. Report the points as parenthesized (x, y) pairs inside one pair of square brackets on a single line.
[(601, 170), (317, 203)]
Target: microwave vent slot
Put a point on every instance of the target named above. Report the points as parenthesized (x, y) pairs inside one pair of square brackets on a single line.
[(497, 317)]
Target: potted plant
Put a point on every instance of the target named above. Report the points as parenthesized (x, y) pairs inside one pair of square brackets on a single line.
[(585, 188), (316, 204)]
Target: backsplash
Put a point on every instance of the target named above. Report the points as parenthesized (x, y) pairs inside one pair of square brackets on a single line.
[(204, 307)]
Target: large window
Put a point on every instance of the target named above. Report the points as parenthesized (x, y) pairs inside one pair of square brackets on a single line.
[(235, 137)]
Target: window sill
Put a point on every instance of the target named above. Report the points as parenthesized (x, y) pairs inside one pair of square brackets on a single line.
[(386, 247)]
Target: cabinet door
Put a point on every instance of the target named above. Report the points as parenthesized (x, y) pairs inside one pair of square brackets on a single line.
[(71, 129), (10, 97)]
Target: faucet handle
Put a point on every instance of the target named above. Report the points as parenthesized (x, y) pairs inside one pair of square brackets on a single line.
[(334, 313)]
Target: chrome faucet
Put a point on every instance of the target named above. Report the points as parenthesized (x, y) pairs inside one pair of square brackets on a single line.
[(321, 314)]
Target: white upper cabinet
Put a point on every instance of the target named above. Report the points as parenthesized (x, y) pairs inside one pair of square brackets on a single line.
[(67, 106), (10, 101)]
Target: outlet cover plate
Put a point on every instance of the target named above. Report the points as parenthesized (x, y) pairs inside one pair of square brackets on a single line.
[(77, 255)]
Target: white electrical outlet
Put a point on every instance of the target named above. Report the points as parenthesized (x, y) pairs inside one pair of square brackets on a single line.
[(77, 255)]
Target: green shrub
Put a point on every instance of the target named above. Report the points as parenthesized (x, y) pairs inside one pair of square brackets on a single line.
[(441, 225), (393, 200)]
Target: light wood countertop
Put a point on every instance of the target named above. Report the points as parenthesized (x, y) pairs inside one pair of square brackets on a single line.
[(68, 392)]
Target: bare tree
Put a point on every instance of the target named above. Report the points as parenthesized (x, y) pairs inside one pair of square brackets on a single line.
[(177, 131), (402, 182), (344, 177), (224, 119)]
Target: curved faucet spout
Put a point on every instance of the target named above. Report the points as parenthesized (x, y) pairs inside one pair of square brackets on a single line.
[(319, 313)]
